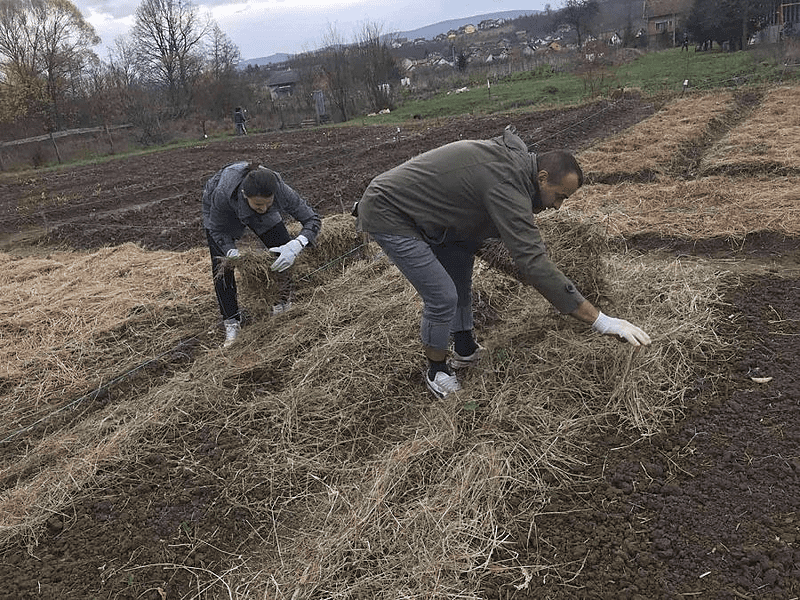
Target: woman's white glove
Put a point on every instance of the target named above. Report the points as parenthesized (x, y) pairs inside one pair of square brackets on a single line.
[(619, 327), (288, 253)]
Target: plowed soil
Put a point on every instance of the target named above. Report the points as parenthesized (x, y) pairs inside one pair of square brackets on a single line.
[(708, 509)]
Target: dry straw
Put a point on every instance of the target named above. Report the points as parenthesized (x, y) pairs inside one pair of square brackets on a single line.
[(63, 313), (708, 207), (768, 141), (377, 490), (651, 146), (577, 245), (337, 246), (403, 495)]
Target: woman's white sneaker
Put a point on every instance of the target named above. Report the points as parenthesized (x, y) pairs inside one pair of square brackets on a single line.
[(232, 328)]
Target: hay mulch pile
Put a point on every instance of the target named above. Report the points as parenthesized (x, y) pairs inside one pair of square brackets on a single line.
[(768, 141), (576, 243), (652, 146), (715, 206), (62, 311), (336, 247), (353, 480)]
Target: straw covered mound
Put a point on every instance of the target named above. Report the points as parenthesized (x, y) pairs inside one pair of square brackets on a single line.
[(374, 489), (767, 141), (715, 206), (651, 146)]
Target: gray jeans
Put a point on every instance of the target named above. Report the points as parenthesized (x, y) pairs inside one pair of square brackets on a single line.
[(442, 275)]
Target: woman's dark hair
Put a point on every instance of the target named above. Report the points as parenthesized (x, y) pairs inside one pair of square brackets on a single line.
[(559, 164), (259, 181)]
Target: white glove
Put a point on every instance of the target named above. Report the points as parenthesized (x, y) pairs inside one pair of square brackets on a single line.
[(232, 253), (288, 253), (619, 327)]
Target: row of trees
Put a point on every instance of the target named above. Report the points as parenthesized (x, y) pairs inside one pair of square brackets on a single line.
[(176, 63), (173, 62), (46, 49)]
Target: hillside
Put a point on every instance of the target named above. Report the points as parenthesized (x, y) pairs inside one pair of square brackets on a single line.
[(427, 32)]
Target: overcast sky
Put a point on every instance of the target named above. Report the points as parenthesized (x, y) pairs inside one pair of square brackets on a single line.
[(265, 27)]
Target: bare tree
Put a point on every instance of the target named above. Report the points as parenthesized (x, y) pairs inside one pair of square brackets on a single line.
[(221, 83), (336, 63), (376, 67), (221, 53), (122, 62), (578, 14), (49, 41), (168, 36)]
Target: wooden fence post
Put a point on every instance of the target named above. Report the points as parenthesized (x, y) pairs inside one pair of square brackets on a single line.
[(110, 140), (58, 154)]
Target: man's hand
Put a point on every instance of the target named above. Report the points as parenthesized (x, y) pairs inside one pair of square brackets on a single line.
[(621, 328), (288, 253)]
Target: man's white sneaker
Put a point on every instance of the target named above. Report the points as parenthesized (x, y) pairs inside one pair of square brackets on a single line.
[(457, 361), (232, 328), (442, 384)]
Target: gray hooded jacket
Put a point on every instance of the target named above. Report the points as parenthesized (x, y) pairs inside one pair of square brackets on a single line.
[(226, 212)]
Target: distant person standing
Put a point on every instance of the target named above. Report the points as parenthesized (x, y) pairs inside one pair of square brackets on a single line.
[(685, 45), (239, 119)]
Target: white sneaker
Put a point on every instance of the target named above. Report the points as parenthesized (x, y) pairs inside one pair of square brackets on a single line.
[(457, 361), (442, 384), (281, 308), (232, 328)]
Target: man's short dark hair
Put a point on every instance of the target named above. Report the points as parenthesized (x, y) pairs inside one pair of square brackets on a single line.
[(559, 164)]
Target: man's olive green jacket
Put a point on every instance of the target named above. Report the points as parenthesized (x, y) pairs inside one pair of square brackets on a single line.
[(468, 191)]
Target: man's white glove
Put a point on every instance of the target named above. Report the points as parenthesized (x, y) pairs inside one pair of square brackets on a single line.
[(288, 253), (232, 253), (619, 327)]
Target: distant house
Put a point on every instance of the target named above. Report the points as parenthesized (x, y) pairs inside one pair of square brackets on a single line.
[(664, 18), (282, 84), (487, 24), (783, 21)]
